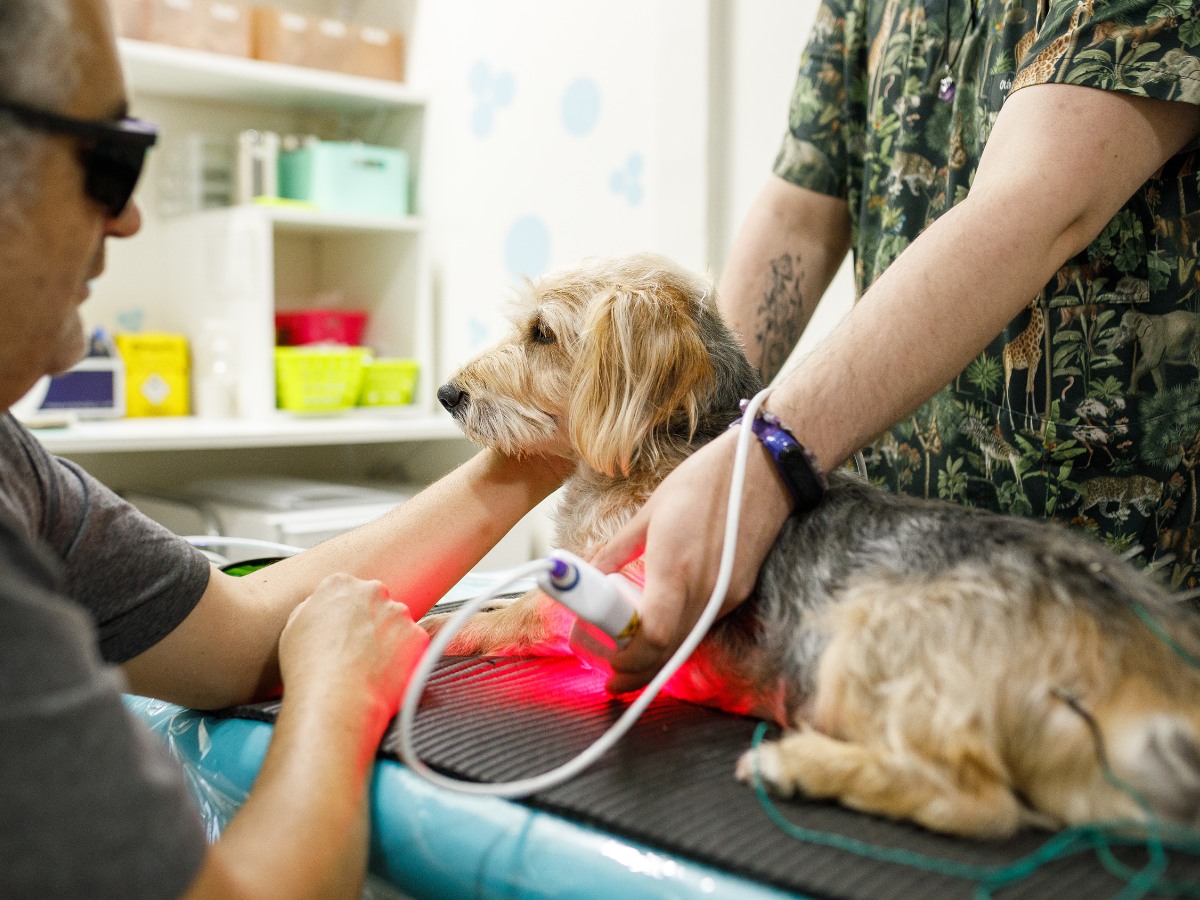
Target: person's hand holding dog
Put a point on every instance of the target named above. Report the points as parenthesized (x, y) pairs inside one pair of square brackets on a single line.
[(681, 532)]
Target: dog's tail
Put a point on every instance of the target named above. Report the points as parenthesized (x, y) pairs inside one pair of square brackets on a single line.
[(1125, 744), (1148, 747), (1133, 755)]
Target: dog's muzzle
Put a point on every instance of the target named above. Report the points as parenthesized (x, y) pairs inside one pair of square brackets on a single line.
[(451, 397)]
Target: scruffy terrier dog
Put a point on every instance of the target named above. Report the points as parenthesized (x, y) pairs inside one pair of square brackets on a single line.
[(970, 671)]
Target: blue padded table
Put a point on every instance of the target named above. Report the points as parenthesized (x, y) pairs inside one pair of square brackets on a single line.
[(660, 815), (432, 843)]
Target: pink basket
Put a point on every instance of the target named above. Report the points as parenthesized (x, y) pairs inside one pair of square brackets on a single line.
[(320, 326)]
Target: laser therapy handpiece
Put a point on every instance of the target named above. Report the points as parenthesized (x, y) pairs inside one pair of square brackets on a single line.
[(607, 602)]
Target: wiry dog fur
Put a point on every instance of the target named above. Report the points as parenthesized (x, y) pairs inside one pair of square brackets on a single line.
[(962, 669)]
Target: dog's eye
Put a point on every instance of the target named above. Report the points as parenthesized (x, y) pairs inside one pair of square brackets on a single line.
[(540, 334)]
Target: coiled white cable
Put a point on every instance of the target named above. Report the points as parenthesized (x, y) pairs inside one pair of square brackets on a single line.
[(526, 786)]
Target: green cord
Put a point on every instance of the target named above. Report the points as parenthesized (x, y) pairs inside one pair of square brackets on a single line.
[(1098, 837), (1142, 613)]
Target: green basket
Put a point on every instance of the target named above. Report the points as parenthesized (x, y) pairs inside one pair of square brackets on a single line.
[(389, 382), (318, 379)]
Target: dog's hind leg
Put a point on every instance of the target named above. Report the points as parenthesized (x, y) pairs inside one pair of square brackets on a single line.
[(880, 781)]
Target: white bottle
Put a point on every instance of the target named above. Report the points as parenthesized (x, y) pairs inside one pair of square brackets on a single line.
[(214, 370)]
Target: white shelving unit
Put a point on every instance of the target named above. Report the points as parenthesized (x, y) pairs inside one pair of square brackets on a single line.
[(274, 431), (244, 262), (239, 264), (191, 74)]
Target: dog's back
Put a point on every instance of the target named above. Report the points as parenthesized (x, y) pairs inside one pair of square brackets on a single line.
[(996, 670)]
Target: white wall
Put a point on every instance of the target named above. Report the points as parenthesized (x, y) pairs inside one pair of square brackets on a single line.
[(559, 130), (556, 131), (756, 51)]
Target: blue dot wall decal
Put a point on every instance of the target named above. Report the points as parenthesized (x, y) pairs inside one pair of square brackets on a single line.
[(627, 181), (503, 88), (479, 332), (480, 78), (581, 106), (527, 247), (482, 120), (491, 92)]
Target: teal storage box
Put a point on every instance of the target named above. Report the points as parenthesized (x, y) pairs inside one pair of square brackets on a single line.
[(347, 177)]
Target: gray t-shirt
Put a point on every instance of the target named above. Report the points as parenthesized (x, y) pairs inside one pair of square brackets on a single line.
[(136, 578), (91, 804)]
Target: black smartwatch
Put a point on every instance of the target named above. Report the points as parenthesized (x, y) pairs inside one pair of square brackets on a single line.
[(796, 465)]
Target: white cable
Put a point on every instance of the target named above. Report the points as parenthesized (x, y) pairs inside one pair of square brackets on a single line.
[(606, 741), (212, 540)]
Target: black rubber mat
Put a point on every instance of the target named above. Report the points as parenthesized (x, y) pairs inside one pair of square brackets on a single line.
[(669, 784)]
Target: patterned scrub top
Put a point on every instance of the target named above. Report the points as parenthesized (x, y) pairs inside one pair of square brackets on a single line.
[(1086, 409)]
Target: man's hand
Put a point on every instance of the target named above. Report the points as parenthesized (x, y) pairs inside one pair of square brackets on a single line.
[(349, 639), (681, 530)]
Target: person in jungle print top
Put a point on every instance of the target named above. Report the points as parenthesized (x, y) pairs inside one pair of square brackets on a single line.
[(1018, 184)]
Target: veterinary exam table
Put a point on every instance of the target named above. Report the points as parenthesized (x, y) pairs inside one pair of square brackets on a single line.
[(660, 816)]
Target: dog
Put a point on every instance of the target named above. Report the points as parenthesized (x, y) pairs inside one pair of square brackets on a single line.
[(972, 672)]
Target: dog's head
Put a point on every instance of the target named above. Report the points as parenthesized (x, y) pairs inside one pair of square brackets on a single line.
[(622, 363)]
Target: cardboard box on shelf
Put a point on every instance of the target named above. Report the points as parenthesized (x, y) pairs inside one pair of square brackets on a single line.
[(376, 53), (219, 26), (297, 39), (282, 36)]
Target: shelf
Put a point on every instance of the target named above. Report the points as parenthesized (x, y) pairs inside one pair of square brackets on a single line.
[(195, 74), (304, 221), (281, 430)]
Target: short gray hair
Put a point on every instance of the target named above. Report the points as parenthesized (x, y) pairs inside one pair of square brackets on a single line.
[(39, 66)]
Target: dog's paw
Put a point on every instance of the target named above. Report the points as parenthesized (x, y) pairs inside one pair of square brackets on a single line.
[(522, 628), (766, 761), (470, 640)]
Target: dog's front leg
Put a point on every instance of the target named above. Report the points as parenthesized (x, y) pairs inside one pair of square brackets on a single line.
[(534, 625)]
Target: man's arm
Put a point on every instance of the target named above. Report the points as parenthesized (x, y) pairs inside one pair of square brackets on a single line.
[(346, 655), (785, 255), (224, 652), (1060, 163)]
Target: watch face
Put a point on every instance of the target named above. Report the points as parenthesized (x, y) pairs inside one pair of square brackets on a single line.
[(798, 472)]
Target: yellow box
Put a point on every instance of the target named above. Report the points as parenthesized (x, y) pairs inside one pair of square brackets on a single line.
[(316, 378), (156, 374), (389, 382)]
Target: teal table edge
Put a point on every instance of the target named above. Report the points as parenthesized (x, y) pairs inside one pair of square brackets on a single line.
[(431, 842)]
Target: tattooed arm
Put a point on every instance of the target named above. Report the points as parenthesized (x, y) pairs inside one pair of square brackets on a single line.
[(937, 305), (786, 253)]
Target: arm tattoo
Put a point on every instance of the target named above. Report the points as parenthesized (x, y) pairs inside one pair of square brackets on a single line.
[(780, 318)]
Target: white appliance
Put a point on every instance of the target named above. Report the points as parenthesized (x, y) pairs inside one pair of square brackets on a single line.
[(298, 512)]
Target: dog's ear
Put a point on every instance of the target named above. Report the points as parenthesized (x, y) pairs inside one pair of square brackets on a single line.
[(641, 365)]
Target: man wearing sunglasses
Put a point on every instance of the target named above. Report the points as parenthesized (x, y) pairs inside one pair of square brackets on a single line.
[(95, 599)]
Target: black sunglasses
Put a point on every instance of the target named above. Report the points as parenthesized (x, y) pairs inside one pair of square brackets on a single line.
[(113, 153)]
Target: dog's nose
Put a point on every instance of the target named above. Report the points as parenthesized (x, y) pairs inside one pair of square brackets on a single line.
[(451, 397)]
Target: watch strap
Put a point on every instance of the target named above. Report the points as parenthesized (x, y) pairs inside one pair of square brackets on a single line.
[(795, 463)]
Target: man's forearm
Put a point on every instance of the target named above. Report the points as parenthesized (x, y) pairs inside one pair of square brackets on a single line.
[(787, 252), (419, 550), (922, 322), (302, 831), (422, 548)]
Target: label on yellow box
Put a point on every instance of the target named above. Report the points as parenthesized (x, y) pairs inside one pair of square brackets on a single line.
[(156, 374)]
